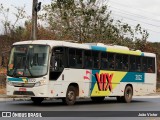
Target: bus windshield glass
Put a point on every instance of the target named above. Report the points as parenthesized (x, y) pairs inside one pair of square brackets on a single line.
[(28, 61)]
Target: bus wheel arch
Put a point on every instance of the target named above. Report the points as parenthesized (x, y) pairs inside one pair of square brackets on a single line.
[(71, 94), (76, 87)]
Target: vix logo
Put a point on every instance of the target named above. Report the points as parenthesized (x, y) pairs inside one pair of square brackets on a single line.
[(104, 81)]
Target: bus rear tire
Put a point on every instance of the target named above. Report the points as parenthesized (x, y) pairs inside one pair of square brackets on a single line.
[(70, 98), (97, 99), (128, 93), (37, 100)]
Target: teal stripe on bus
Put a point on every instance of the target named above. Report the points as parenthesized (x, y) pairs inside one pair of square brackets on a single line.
[(134, 77), (99, 48), (142, 54), (94, 81), (15, 79)]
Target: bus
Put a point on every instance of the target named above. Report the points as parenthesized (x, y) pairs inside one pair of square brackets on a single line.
[(64, 70)]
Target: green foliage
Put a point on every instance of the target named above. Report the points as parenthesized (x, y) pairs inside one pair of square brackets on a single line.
[(91, 21)]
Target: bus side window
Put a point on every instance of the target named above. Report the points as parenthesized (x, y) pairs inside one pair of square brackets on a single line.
[(119, 61), (79, 58), (111, 61), (150, 70), (125, 64), (96, 60), (72, 58), (138, 64), (104, 60), (144, 64), (132, 63), (59, 55), (150, 65), (88, 59), (53, 62), (56, 63)]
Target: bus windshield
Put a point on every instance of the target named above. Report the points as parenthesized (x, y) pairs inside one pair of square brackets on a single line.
[(28, 61)]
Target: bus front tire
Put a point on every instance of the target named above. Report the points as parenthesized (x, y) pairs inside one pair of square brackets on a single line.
[(128, 93), (70, 98), (37, 100)]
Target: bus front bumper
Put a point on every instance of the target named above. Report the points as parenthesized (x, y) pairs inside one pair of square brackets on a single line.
[(40, 91)]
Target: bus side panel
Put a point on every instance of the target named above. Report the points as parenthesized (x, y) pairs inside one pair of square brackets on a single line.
[(91, 82), (106, 83), (151, 79), (72, 76)]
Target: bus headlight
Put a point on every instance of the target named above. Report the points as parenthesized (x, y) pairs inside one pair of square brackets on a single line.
[(9, 83), (40, 83)]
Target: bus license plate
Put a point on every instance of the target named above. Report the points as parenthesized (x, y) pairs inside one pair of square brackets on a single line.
[(22, 89)]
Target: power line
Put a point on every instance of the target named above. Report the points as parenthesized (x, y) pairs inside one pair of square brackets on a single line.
[(144, 28), (133, 14), (136, 20), (131, 7)]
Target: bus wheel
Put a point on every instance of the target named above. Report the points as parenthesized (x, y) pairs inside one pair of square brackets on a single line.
[(97, 99), (70, 98), (37, 100), (128, 93)]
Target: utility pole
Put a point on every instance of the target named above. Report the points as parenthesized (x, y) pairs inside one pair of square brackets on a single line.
[(35, 8)]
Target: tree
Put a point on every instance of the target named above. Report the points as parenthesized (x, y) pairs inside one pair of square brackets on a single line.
[(90, 21), (80, 20), (12, 31), (9, 26), (140, 43)]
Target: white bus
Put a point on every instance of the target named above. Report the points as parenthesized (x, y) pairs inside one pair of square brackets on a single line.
[(63, 70)]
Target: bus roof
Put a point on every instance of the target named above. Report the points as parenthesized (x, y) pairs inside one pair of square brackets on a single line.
[(93, 46)]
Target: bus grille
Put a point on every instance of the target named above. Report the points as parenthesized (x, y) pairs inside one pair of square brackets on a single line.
[(23, 93), (23, 84)]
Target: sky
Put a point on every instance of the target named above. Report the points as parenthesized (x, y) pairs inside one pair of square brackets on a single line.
[(143, 12)]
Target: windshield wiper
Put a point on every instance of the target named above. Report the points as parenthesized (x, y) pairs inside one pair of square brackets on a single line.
[(15, 68), (27, 67)]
